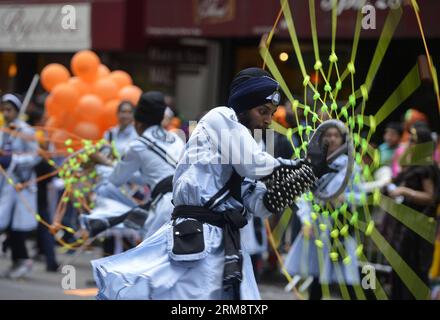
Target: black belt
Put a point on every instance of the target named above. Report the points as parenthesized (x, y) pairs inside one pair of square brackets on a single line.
[(164, 186), (231, 222)]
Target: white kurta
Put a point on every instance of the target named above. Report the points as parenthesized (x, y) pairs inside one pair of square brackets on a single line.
[(14, 212), (121, 138), (150, 271)]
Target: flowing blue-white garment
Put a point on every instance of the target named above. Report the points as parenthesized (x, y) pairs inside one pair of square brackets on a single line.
[(17, 208), (302, 258), (112, 201), (144, 163), (152, 270)]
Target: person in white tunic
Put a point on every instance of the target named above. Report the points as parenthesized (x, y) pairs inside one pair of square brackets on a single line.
[(154, 154), (197, 255), (121, 135), (119, 138), (18, 156)]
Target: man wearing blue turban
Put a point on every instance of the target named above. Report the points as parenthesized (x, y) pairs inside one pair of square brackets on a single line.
[(221, 181)]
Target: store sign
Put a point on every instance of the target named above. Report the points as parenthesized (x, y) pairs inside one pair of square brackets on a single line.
[(343, 5), (214, 11), (179, 55), (45, 28)]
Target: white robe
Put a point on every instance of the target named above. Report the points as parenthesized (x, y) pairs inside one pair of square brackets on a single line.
[(150, 271), (14, 212)]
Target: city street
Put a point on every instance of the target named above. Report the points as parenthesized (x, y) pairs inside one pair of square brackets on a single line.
[(42, 285)]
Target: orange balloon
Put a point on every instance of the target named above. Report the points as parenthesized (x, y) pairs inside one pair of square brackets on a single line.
[(121, 78), (106, 89), (87, 130), (51, 109), (85, 64), (110, 114), (58, 137), (65, 97), (70, 121), (103, 71), (53, 122), (53, 74), (130, 93), (80, 85), (90, 108)]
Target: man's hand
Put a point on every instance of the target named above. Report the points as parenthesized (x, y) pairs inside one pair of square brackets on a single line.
[(19, 187)]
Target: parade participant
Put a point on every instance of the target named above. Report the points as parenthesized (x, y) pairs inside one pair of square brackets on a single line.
[(393, 134), (121, 135), (18, 156), (198, 254), (302, 258), (154, 154), (45, 240), (418, 186)]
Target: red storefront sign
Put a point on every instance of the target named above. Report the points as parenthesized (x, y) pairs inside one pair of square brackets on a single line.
[(249, 18), (118, 25)]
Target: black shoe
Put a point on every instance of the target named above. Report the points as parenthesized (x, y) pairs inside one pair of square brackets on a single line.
[(90, 283), (52, 267)]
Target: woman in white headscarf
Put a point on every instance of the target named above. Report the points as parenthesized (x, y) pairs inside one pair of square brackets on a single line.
[(18, 156)]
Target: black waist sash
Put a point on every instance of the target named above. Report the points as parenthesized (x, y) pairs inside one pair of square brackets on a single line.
[(164, 186), (230, 221)]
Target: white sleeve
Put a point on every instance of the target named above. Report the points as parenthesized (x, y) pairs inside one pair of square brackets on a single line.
[(252, 195), (129, 164), (30, 157), (237, 146)]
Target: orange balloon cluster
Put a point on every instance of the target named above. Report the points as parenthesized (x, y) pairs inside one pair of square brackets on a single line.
[(86, 103)]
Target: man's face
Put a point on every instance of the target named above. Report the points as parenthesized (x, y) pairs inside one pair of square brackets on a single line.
[(391, 137), (258, 118), (9, 112)]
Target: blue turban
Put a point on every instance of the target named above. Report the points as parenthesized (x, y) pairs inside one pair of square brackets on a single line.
[(254, 92)]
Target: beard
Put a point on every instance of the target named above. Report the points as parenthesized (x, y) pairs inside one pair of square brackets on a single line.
[(245, 118)]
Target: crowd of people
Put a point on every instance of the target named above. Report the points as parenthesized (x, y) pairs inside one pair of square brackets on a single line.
[(177, 218)]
